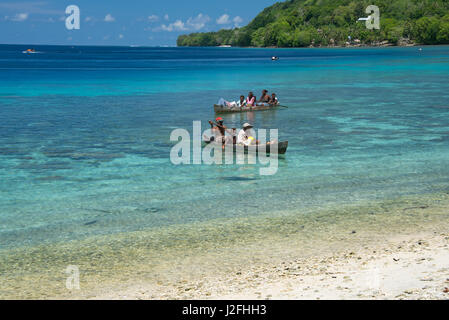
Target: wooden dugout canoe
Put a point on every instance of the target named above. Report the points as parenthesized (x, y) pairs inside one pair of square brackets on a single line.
[(280, 147), (221, 109)]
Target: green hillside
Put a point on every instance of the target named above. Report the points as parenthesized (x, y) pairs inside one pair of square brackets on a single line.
[(300, 23)]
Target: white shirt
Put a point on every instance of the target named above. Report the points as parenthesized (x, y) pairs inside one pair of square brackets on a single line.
[(241, 104), (243, 137)]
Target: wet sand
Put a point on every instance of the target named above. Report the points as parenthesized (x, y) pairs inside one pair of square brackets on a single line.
[(395, 249)]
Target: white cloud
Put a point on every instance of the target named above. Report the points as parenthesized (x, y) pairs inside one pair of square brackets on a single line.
[(198, 22), (19, 17), (153, 18), (192, 24), (178, 25), (109, 18), (166, 17), (224, 19), (237, 21), (121, 36)]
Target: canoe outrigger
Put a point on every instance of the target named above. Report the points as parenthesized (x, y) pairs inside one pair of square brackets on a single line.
[(222, 109), (280, 147)]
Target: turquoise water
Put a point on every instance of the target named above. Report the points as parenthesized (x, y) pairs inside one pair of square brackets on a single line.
[(85, 134)]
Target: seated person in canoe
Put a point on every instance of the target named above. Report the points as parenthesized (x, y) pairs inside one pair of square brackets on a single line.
[(247, 135), (273, 100), (234, 104), (265, 98), (251, 100)]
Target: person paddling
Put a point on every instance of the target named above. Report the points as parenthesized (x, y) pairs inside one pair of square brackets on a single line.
[(218, 128), (219, 132)]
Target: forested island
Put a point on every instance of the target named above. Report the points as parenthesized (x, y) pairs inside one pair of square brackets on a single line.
[(316, 23)]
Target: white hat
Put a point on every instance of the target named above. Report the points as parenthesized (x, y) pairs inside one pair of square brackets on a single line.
[(247, 125)]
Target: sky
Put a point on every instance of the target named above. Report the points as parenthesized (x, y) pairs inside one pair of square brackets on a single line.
[(114, 22)]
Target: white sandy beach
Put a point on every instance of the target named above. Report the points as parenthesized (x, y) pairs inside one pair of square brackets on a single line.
[(404, 267), (388, 250), (407, 268)]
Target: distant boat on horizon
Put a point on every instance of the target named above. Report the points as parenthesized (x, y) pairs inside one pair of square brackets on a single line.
[(29, 51), (225, 46)]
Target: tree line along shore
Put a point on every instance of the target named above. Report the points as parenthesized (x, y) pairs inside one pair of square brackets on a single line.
[(329, 23)]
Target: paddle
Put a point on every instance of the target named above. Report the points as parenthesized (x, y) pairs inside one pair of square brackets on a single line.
[(220, 126)]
